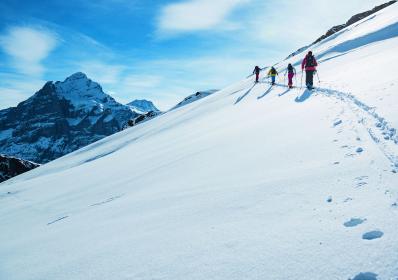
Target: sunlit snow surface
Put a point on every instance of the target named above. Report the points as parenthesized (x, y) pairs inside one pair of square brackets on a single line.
[(252, 182)]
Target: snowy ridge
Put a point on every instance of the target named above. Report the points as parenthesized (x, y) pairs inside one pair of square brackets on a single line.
[(252, 182), (194, 97), (142, 106)]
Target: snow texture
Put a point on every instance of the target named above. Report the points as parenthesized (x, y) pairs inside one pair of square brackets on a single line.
[(233, 186)]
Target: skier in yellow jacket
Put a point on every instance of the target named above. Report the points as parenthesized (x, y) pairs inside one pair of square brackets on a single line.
[(273, 73)]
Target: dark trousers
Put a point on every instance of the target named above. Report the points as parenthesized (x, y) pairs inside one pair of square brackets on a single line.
[(309, 78), (257, 75)]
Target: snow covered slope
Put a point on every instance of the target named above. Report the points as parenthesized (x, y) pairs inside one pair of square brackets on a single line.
[(252, 182)]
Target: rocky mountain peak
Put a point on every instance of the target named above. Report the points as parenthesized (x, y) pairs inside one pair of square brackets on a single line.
[(143, 106)]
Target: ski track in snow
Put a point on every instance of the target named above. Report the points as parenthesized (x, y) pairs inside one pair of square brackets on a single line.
[(57, 220), (378, 128), (107, 200)]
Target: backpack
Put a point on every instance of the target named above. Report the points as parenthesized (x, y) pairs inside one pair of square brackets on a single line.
[(290, 69), (273, 71), (310, 61)]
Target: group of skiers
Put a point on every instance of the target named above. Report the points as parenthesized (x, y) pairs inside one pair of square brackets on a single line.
[(308, 65)]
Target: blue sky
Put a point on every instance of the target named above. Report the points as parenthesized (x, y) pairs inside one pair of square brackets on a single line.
[(158, 50)]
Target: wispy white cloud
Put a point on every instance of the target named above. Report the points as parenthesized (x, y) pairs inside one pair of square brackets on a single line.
[(15, 88), (100, 71), (28, 47), (196, 15), (138, 82)]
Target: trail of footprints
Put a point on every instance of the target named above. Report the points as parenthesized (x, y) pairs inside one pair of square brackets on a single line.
[(379, 130), (354, 149)]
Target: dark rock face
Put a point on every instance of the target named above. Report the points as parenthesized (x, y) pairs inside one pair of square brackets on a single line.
[(60, 118), (141, 118), (351, 21), (11, 167)]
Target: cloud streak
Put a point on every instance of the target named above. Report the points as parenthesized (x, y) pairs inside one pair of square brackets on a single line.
[(28, 47), (196, 15)]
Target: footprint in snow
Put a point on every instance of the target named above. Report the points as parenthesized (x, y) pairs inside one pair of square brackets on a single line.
[(359, 150), (354, 222), (365, 276), (361, 181), (337, 122), (374, 234), (7, 194)]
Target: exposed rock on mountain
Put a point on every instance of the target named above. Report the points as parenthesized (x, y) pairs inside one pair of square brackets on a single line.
[(11, 166), (60, 118), (194, 97)]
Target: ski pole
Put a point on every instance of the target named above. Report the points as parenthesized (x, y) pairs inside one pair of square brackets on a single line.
[(301, 83), (319, 81)]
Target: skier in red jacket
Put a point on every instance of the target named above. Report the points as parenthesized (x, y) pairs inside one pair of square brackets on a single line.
[(309, 64)]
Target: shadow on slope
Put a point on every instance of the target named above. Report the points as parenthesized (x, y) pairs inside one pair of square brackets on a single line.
[(265, 93), (244, 95), (304, 96), (385, 33)]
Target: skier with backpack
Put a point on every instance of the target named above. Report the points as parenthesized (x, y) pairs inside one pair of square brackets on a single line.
[(291, 72), (257, 72), (273, 73), (309, 64)]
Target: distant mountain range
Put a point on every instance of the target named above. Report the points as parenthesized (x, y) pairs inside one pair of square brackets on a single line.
[(62, 117), (142, 106)]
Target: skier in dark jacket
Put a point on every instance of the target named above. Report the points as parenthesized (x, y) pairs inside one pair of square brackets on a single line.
[(309, 64), (257, 72)]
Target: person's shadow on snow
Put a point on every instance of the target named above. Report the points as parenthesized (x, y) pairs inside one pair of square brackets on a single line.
[(304, 96), (283, 93), (265, 93), (244, 95)]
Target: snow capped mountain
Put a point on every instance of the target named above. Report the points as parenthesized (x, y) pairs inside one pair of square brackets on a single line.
[(60, 118), (143, 106), (194, 97), (252, 182), (11, 167)]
